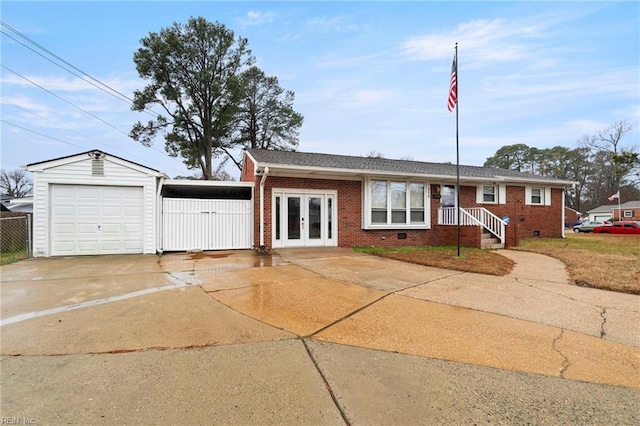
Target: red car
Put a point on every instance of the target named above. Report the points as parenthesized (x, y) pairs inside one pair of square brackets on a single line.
[(621, 227)]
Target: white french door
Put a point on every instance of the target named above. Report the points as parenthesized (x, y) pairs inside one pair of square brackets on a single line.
[(304, 219)]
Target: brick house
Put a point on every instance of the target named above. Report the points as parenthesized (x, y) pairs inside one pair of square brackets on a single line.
[(308, 199), (627, 211)]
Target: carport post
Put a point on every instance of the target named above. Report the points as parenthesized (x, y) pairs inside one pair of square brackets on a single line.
[(262, 181)]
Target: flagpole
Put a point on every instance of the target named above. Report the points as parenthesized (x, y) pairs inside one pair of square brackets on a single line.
[(458, 155)]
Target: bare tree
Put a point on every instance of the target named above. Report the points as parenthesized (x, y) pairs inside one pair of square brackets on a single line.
[(15, 183), (615, 167)]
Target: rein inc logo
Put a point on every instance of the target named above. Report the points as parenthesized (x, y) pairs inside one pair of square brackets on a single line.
[(17, 421)]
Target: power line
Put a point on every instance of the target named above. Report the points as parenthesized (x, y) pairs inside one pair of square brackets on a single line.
[(74, 131), (64, 100), (81, 109), (41, 134), (100, 85)]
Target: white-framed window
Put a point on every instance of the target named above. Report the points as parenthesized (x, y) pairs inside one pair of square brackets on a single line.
[(628, 213), (538, 196), (491, 194), (395, 204)]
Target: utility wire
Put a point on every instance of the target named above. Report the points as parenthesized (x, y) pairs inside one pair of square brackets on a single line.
[(64, 100), (83, 110), (76, 132), (100, 85), (105, 88), (41, 134)]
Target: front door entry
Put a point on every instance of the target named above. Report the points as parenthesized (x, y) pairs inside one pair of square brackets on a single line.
[(304, 218), (305, 224)]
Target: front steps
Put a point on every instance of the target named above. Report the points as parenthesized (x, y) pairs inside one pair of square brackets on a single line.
[(489, 242)]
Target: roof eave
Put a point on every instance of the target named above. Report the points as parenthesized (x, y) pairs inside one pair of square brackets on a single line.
[(277, 168)]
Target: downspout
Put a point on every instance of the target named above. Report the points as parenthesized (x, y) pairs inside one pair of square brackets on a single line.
[(159, 217), (564, 219), (262, 181)]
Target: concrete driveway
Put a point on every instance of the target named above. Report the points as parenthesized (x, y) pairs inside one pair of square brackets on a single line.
[(311, 336)]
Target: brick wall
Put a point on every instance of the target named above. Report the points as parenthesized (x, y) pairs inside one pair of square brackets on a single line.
[(525, 220), (620, 213)]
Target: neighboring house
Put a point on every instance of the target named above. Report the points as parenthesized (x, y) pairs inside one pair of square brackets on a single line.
[(628, 211), (571, 217), (97, 203), (21, 205), (307, 199), (601, 213)]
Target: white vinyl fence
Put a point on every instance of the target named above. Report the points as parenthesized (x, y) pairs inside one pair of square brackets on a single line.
[(206, 224)]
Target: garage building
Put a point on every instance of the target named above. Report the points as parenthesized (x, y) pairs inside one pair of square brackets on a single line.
[(96, 203)]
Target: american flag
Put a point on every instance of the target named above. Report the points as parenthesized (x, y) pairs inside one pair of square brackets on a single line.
[(453, 87)]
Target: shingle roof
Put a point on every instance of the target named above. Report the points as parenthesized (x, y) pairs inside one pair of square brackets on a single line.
[(635, 204), (384, 165)]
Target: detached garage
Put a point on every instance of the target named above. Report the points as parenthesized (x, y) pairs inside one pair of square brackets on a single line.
[(96, 203), (93, 203)]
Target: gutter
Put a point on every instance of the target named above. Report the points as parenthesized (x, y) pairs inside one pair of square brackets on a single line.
[(159, 216), (262, 181)]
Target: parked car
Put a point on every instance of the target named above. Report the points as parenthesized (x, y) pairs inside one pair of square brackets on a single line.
[(587, 226), (620, 227)]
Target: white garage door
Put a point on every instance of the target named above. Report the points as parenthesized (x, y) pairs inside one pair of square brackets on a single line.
[(96, 220)]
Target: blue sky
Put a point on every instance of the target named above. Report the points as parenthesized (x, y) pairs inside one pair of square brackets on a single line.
[(368, 76)]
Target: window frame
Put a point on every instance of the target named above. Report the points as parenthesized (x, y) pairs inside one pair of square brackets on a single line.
[(545, 195), (409, 210), (540, 195), (624, 213)]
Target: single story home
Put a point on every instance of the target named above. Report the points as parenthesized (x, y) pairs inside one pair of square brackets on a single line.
[(571, 217), (601, 213), (627, 211), (20, 205), (309, 199), (97, 203)]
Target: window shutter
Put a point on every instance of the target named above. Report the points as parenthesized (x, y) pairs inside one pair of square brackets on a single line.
[(527, 195), (547, 196), (479, 194), (502, 194)]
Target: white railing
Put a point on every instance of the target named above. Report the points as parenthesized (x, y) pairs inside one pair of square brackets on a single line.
[(474, 216)]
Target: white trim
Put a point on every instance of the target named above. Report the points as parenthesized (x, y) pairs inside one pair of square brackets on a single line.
[(366, 208), (212, 183), (624, 213), (44, 165), (502, 194), (283, 193), (262, 180), (498, 194), (545, 196)]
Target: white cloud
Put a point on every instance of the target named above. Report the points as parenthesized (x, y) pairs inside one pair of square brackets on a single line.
[(331, 61), (496, 40), (254, 17), (338, 24)]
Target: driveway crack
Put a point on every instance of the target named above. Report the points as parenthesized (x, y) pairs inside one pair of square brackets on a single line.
[(603, 314), (565, 362), (326, 383)]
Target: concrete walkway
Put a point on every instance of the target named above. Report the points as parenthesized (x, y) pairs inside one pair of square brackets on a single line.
[(312, 336)]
